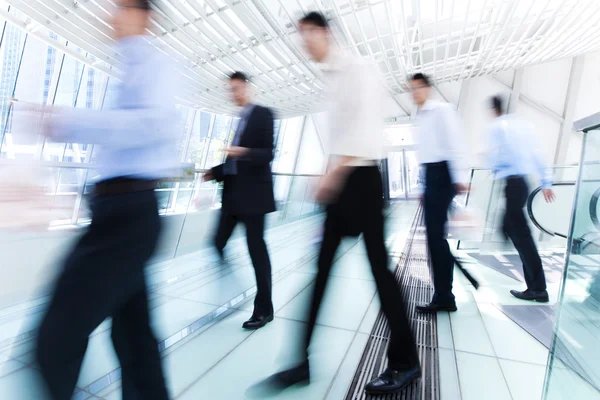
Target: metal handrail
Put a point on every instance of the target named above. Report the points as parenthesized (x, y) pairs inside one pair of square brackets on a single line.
[(530, 209), (92, 166)]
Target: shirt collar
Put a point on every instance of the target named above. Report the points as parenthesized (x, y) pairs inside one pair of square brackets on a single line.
[(334, 62), (430, 105), (133, 48), (246, 110)]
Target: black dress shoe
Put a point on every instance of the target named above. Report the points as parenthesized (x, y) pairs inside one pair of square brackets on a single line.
[(436, 307), (541, 296), (392, 381), (289, 377), (257, 322)]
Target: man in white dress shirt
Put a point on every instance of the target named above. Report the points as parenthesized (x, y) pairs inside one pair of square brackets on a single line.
[(352, 189), (441, 146)]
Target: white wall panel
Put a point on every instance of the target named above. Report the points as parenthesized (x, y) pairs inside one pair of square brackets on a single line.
[(574, 152), (588, 101), (546, 130), (547, 83), (451, 90)]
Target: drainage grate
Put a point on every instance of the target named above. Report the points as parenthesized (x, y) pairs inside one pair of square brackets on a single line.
[(413, 274)]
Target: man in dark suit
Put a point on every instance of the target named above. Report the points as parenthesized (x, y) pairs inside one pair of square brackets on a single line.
[(248, 191)]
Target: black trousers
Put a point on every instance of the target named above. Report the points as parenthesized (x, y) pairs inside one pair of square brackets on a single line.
[(364, 191), (255, 232), (104, 277), (439, 192), (515, 226)]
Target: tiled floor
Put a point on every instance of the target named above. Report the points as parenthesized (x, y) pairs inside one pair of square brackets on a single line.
[(487, 353), (198, 310)]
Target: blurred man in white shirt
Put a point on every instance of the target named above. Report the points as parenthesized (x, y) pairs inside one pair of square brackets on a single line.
[(441, 146), (352, 189)]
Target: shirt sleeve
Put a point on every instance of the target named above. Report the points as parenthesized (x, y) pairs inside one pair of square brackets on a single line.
[(125, 127), (539, 164), (456, 145)]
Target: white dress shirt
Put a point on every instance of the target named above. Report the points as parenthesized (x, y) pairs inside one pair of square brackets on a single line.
[(355, 119), (441, 138)]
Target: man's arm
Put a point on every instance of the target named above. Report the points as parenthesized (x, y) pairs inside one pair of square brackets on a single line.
[(124, 127), (456, 144)]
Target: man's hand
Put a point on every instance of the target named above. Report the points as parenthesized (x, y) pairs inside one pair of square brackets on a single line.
[(549, 195), (461, 188), (330, 187), (208, 176), (237, 152)]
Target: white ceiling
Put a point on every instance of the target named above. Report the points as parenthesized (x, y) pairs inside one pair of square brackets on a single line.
[(451, 40)]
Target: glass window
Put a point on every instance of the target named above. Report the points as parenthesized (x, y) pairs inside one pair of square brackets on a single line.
[(218, 141), (10, 57), (200, 137), (311, 159), (288, 145)]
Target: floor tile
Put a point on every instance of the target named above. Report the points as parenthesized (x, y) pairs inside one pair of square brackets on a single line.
[(347, 369), (444, 331), (273, 345), (481, 378), (351, 265), (22, 384), (199, 355), (510, 341), (100, 359), (344, 305), (371, 315), (449, 384), (286, 289), (224, 289), (8, 366), (177, 314), (520, 388), (468, 328)]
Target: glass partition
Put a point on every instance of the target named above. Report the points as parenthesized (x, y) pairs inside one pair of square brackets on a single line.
[(574, 364), (549, 223)]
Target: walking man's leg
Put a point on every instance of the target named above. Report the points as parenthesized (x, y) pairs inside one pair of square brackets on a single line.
[(518, 231), (403, 360), (263, 304)]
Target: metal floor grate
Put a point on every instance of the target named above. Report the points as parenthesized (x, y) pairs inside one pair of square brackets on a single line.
[(413, 274)]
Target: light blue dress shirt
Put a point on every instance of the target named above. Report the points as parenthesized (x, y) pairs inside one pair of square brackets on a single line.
[(138, 137), (230, 167), (513, 150)]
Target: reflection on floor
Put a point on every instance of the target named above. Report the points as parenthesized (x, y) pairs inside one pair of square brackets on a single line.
[(510, 264), (495, 340), (198, 308)]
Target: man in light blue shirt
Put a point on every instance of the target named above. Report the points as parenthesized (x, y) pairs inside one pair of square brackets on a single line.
[(104, 274), (512, 158)]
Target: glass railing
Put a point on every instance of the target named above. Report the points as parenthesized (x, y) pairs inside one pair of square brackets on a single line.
[(70, 184), (549, 222), (574, 363)]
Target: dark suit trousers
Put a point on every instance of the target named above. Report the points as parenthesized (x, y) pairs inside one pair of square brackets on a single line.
[(439, 192), (255, 232), (517, 229), (364, 190), (104, 277)]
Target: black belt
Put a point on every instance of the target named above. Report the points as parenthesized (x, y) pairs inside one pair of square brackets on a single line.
[(437, 164), (117, 186)]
